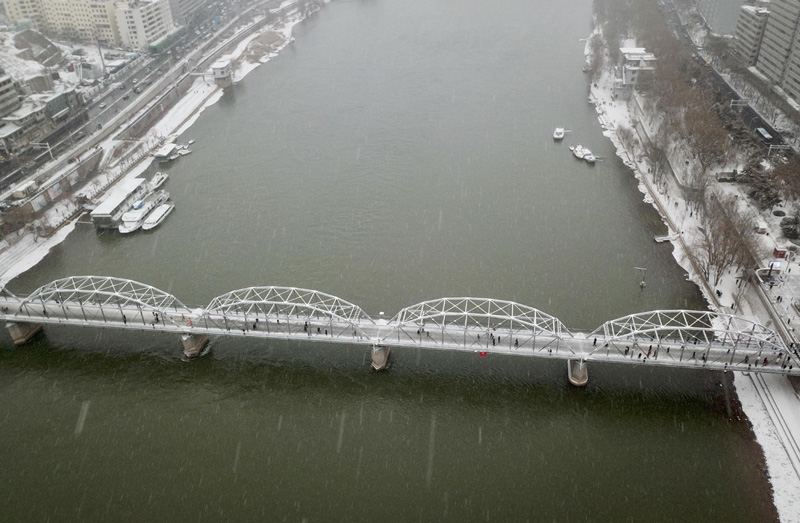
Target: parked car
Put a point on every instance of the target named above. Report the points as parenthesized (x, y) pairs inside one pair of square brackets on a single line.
[(102, 106)]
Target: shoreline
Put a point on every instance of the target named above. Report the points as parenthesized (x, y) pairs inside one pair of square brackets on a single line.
[(614, 113), (207, 100), (28, 252)]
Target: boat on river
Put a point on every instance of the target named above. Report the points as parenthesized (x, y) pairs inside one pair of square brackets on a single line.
[(158, 215), (578, 151), (158, 180), (588, 156), (134, 219), (558, 134)]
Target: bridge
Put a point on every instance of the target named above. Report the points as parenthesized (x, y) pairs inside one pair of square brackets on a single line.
[(672, 338)]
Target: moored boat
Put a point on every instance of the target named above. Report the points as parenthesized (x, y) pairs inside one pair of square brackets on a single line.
[(158, 180), (158, 215), (558, 134), (578, 151), (588, 156), (133, 219)]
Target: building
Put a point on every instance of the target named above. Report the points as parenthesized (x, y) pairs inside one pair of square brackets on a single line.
[(749, 32), (20, 127), (223, 72), (791, 79), (105, 23), (635, 65), (132, 24), (107, 215), (71, 19), (182, 10), (142, 22), (9, 96), (719, 15), (24, 12), (780, 34)]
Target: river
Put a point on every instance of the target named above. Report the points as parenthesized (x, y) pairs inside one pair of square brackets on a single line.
[(395, 152)]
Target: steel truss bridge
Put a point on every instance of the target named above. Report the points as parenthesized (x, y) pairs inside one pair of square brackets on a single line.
[(676, 338)]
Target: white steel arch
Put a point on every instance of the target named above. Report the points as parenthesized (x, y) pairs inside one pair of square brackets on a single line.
[(463, 320), (102, 291), (100, 298), (290, 303), (695, 331), (689, 327)]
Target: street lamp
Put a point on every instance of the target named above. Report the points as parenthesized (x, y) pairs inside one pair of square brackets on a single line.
[(642, 283)]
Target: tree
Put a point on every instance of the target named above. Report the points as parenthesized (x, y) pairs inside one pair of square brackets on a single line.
[(786, 177), (727, 240), (16, 218)]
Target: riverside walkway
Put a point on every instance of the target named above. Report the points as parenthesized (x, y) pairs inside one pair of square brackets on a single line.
[(676, 338)]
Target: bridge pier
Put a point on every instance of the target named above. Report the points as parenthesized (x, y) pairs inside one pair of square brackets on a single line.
[(22, 332), (578, 372), (380, 357), (193, 344)]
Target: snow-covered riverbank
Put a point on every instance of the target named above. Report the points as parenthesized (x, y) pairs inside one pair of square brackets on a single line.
[(775, 427), (28, 249)]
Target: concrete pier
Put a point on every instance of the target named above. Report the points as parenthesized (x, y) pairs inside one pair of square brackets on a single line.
[(193, 344), (380, 357), (22, 332), (578, 372)]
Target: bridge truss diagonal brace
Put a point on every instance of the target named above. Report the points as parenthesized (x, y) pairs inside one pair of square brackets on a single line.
[(462, 321), (98, 293), (291, 304), (696, 331)]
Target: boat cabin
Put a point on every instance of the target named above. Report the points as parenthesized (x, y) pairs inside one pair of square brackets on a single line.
[(165, 152)]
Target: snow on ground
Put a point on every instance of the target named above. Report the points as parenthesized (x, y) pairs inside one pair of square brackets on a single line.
[(22, 252), (775, 429), (29, 251)]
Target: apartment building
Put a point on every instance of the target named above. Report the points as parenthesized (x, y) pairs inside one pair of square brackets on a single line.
[(71, 19), (17, 10), (131, 24), (749, 32), (182, 10), (142, 22), (780, 34), (9, 96)]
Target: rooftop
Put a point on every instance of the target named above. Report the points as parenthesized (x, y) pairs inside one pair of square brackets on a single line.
[(118, 196)]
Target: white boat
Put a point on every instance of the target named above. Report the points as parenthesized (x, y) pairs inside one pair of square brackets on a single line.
[(578, 151), (558, 134), (190, 142), (134, 218), (173, 157), (158, 215), (588, 156), (158, 180), (184, 151)]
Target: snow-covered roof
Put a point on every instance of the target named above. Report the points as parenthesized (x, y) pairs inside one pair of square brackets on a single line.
[(222, 63), (27, 109), (166, 150), (8, 129), (117, 196)]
